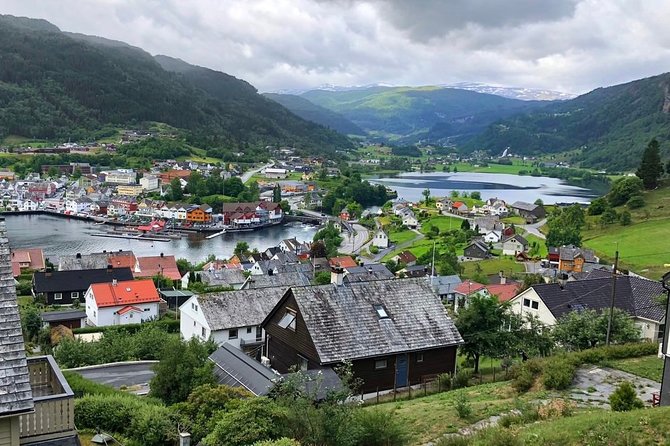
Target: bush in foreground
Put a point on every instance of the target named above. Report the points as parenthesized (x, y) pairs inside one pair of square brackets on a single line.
[(624, 398)]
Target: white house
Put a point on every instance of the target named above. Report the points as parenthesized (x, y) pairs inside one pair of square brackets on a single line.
[(121, 176), (79, 205), (381, 239), (30, 205), (271, 172), (231, 316), (409, 220), (149, 182), (635, 295), (514, 245), (492, 236), (120, 303)]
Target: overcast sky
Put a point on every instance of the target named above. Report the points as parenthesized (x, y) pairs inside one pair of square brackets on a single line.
[(565, 45)]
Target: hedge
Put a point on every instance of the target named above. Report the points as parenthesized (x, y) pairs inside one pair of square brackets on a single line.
[(169, 325), (82, 386), (558, 372)]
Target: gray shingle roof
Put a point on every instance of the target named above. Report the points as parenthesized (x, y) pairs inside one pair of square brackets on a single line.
[(524, 206), (15, 392), (444, 284), (634, 295), (283, 280), (343, 323), (365, 273), (234, 368), (570, 252), (243, 308), (223, 277)]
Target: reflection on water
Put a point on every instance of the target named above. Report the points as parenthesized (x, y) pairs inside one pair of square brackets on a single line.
[(510, 188), (60, 236)]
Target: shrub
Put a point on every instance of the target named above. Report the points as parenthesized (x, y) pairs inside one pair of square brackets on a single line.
[(624, 398), (635, 202), (373, 249), (462, 406), (253, 420), (558, 373), (153, 426), (461, 379), (281, 442), (379, 428), (555, 409), (110, 413), (82, 386), (524, 380)]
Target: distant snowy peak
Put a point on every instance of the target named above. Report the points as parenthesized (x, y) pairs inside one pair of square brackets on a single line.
[(331, 87), (524, 94)]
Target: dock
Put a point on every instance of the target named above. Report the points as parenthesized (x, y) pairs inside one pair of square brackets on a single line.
[(216, 234), (131, 237)]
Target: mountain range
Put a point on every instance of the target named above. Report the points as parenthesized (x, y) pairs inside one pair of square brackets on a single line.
[(56, 85)]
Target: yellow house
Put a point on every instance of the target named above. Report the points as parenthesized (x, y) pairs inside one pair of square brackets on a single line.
[(132, 190)]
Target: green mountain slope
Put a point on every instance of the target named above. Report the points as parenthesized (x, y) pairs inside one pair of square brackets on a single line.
[(315, 113), (56, 85), (406, 114), (611, 126)]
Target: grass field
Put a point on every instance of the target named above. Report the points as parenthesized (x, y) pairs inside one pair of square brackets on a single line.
[(427, 418), (514, 219), (493, 266), (443, 223), (650, 367), (402, 236), (492, 168), (643, 247), (541, 243)]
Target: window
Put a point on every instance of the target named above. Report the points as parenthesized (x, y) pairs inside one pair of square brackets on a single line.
[(381, 311), (419, 357), (259, 333), (232, 333), (58, 296), (288, 320), (147, 309), (303, 362), (74, 295), (130, 315), (380, 364), (535, 305), (203, 332), (248, 330), (526, 302), (94, 314)]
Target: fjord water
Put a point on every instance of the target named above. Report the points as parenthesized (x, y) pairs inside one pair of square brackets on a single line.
[(60, 236), (510, 188)]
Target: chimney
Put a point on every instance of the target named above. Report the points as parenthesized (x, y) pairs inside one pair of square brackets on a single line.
[(184, 439), (161, 254), (114, 282), (337, 275), (78, 255), (110, 267), (270, 272)]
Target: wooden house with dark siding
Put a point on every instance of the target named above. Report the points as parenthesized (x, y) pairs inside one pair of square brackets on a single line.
[(394, 332)]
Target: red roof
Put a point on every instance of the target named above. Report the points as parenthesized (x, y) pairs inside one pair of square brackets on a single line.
[(458, 204), (468, 287), (122, 261), (154, 265), (128, 309), (343, 262), (406, 257), (504, 292), (125, 293), (33, 255)]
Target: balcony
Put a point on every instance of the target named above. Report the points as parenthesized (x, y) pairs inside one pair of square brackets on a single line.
[(53, 418)]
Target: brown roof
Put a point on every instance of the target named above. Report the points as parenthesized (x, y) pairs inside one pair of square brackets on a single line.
[(33, 255), (154, 265)]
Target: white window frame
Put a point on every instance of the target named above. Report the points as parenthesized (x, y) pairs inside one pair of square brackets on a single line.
[(58, 296), (74, 295), (230, 333), (381, 364)]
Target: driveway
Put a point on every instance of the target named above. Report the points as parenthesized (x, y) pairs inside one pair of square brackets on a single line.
[(534, 229), (593, 385), (132, 375), (246, 176)]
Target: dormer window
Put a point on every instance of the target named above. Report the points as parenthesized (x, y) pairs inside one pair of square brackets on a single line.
[(381, 311), (288, 320)]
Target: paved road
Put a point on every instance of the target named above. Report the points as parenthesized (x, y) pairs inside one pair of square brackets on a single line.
[(353, 242), (118, 375), (377, 257), (246, 176), (534, 229)]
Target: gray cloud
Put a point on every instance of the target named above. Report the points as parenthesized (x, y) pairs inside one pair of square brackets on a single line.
[(572, 46)]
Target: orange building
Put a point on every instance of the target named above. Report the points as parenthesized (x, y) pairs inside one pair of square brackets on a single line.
[(572, 259), (199, 214)]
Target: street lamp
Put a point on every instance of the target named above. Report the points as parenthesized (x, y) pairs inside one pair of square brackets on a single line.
[(665, 382)]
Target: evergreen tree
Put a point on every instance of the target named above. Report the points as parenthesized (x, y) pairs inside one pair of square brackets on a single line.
[(276, 194), (651, 167)]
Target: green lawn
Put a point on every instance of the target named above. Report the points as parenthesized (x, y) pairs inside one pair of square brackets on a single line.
[(492, 168), (541, 243), (493, 266), (443, 223), (403, 236), (427, 418), (515, 219), (643, 247), (650, 367)]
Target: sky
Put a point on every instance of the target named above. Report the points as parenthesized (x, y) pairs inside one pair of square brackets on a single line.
[(571, 46)]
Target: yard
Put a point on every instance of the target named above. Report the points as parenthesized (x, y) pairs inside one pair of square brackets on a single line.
[(542, 246), (493, 266), (650, 367), (443, 223), (643, 247), (402, 236)]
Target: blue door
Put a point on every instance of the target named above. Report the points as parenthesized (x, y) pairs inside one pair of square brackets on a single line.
[(401, 370)]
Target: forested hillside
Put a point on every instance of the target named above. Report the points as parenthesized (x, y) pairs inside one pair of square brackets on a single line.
[(409, 115), (611, 126), (61, 86), (315, 113)]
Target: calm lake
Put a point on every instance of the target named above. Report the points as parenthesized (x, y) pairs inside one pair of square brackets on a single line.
[(510, 188), (60, 236)]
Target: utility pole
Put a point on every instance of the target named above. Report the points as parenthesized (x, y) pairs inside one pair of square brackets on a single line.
[(614, 278), (665, 380)]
